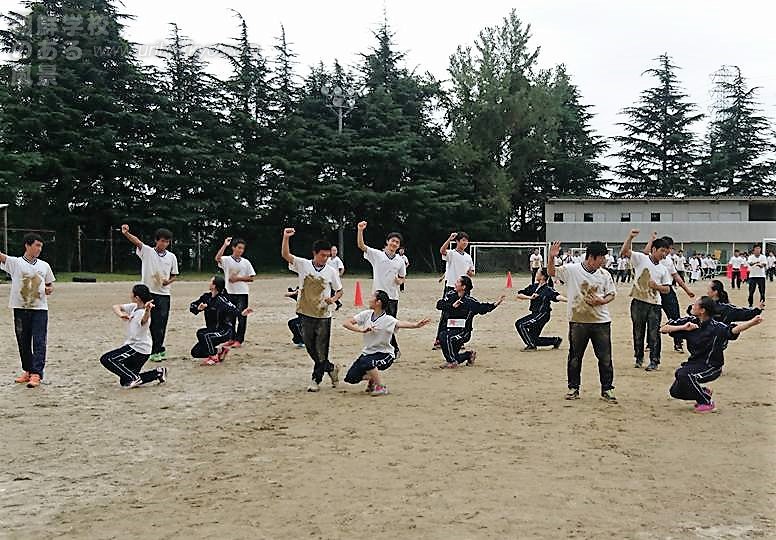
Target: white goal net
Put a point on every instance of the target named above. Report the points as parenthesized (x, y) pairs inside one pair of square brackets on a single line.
[(503, 257)]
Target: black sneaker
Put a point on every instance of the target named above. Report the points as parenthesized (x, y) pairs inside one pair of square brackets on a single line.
[(573, 393), (557, 343), (608, 396), (638, 364), (652, 367), (161, 375)]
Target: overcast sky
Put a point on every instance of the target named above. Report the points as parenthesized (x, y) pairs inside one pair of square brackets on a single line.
[(605, 44)]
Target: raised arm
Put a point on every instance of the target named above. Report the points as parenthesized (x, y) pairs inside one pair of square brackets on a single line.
[(131, 237), (360, 235), (625, 251), (285, 250), (221, 250), (3, 257), (648, 248), (554, 251), (446, 245), (147, 315)]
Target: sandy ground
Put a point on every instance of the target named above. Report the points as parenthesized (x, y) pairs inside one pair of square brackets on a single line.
[(493, 451)]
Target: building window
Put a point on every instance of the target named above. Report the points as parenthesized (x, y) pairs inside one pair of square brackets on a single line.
[(625, 217), (699, 216), (588, 218), (655, 216), (558, 217)]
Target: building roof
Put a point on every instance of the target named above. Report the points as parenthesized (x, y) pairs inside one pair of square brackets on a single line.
[(660, 199)]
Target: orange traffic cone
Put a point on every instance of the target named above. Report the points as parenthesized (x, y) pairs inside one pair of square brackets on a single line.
[(359, 302), (509, 279)]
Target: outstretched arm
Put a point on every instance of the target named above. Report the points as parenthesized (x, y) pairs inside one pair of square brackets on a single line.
[(285, 250), (740, 327), (554, 251), (131, 237), (407, 324)]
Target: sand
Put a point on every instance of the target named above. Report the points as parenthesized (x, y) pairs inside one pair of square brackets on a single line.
[(240, 450)]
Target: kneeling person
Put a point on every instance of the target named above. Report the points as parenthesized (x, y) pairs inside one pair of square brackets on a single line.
[(378, 354), (541, 294)]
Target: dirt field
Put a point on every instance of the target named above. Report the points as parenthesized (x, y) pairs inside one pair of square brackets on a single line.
[(240, 450)]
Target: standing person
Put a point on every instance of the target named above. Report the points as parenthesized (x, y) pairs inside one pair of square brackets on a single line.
[(735, 262), (159, 270), (681, 264), (668, 301), (771, 270), (529, 328), (609, 265), (406, 265), (377, 354), (388, 271), (316, 281), (535, 261), (238, 272), (220, 315), (622, 269), (457, 263), (757, 264), (128, 360), (695, 268), (589, 289), (32, 281), (706, 341), (652, 280), (458, 310), (336, 263)]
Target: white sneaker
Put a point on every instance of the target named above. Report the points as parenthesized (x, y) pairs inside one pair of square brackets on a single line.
[(313, 387), (334, 376), (135, 383)]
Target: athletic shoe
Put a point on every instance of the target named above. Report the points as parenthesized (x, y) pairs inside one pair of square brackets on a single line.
[(134, 383), (397, 355), (334, 376), (162, 356), (436, 346), (573, 393), (608, 396), (652, 367), (679, 349), (705, 407), (222, 353), (236, 344), (449, 365), (313, 387), (34, 381), (472, 358), (299, 345), (156, 357), (380, 390), (528, 349), (369, 387), (557, 343), (23, 378), (638, 363), (161, 375), (209, 361)]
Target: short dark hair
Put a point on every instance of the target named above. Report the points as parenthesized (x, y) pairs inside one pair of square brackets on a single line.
[(668, 240), (142, 292), (708, 305), (396, 235), (163, 234), (237, 241), (596, 249), (220, 283), (757, 246), (321, 245), (660, 243), (461, 235), (467, 283), (382, 296), (31, 238)]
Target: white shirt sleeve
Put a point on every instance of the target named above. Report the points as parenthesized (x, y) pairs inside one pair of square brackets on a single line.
[(251, 271), (371, 254), (174, 268), (336, 283), (361, 317), (49, 275)]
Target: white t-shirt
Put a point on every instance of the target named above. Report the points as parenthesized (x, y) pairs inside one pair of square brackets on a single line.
[(757, 271), (236, 268), (668, 262), (771, 261), (622, 263), (458, 264), (156, 267), (580, 283), (28, 282), (680, 263), (138, 334), (646, 270), (406, 261), (336, 263), (736, 261), (315, 286), (609, 261), (558, 261), (385, 270), (694, 264), (577, 259), (536, 260), (379, 339)]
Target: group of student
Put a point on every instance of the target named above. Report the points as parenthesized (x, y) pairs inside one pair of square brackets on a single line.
[(710, 323)]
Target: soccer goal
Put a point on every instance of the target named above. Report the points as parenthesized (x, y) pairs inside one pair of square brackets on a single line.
[(769, 244), (502, 257)]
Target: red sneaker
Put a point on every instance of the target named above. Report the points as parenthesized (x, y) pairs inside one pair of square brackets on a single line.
[(34, 381), (235, 344), (210, 361), (222, 353), (23, 378)]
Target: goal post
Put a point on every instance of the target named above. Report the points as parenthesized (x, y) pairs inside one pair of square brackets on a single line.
[(490, 257)]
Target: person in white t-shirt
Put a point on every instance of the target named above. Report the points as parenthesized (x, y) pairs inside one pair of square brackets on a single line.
[(238, 273), (336, 263), (159, 270), (389, 270), (32, 281), (695, 268), (680, 262), (403, 255), (377, 355), (651, 280), (535, 262), (316, 281), (457, 263), (770, 272), (589, 289), (736, 262), (128, 360), (757, 264)]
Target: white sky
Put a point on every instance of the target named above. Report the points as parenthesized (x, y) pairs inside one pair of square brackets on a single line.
[(605, 44)]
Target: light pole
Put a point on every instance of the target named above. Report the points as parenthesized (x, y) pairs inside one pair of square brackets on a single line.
[(341, 102)]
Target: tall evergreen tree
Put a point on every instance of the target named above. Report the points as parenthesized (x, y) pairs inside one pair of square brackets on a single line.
[(658, 149)]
